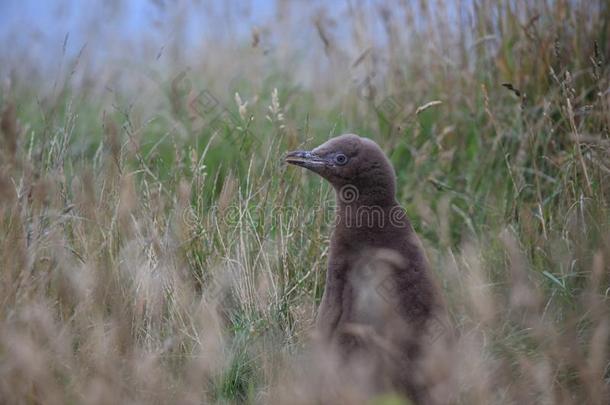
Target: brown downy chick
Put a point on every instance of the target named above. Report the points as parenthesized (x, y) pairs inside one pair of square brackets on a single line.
[(380, 305)]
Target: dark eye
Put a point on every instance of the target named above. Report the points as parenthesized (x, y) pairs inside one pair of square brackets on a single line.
[(341, 159)]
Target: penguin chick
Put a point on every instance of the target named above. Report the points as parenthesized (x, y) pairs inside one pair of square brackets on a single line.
[(380, 301)]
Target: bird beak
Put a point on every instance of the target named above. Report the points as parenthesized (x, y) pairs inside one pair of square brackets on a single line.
[(305, 159)]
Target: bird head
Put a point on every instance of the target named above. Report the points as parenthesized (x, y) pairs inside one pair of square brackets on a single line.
[(350, 161)]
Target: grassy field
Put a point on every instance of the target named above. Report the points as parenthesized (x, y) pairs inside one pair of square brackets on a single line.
[(155, 249)]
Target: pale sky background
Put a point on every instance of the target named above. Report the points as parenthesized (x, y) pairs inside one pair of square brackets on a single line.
[(172, 33), (41, 26)]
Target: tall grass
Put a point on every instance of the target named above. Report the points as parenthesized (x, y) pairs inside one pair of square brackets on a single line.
[(153, 248)]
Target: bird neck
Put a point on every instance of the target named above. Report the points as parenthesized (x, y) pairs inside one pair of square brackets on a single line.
[(372, 195)]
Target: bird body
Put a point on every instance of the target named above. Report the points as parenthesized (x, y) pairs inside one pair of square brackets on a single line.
[(380, 301)]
